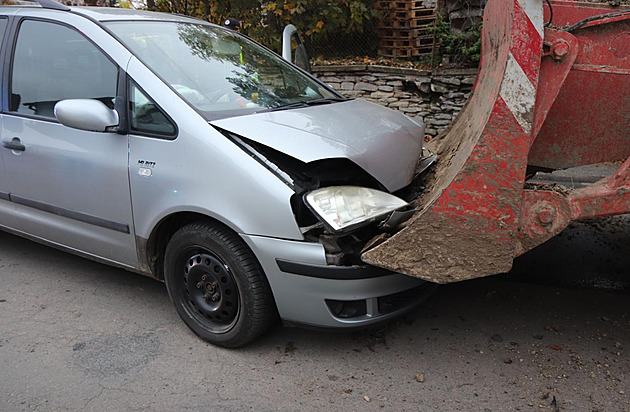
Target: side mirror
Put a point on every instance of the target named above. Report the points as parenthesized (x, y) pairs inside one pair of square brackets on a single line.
[(86, 114), (301, 56)]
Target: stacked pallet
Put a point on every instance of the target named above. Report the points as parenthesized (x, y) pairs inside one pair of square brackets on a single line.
[(404, 28)]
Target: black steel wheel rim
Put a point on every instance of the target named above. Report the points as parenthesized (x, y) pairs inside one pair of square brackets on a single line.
[(211, 292)]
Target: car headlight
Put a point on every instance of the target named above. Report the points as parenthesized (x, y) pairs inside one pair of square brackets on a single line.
[(343, 208)]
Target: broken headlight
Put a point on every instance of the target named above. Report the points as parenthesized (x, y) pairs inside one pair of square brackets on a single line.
[(343, 208)]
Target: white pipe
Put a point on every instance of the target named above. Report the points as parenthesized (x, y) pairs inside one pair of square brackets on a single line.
[(286, 41)]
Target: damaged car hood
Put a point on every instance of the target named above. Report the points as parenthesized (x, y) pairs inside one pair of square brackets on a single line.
[(383, 142)]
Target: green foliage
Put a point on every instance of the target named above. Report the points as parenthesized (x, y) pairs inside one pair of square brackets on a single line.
[(425, 60), (464, 47), (327, 26)]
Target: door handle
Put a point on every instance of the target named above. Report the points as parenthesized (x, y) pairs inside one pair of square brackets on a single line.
[(14, 144)]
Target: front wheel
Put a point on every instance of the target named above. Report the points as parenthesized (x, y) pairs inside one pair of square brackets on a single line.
[(217, 285)]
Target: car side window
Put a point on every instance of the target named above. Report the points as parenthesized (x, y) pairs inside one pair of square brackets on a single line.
[(53, 62), (145, 116)]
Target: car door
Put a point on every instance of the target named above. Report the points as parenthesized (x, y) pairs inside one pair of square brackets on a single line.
[(69, 186), (7, 209)]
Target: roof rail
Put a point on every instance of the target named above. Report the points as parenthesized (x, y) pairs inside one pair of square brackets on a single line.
[(52, 4)]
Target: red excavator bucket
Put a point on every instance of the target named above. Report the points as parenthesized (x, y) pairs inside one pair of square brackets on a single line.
[(544, 98)]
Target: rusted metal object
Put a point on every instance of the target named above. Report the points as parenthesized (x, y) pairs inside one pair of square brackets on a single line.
[(553, 73), (546, 213), (468, 220), (568, 12), (527, 108), (590, 117)]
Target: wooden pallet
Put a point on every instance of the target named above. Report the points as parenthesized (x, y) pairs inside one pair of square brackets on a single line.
[(420, 13), (419, 41), (424, 41), (396, 44), (399, 5), (404, 30), (389, 33), (418, 4), (407, 24), (397, 14), (403, 53), (394, 5)]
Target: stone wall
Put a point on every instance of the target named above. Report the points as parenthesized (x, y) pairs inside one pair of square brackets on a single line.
[(433, 97)]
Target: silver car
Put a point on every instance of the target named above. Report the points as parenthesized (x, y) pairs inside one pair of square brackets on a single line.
[(189, 153)]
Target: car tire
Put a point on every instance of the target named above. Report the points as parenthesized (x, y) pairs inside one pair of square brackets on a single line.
[(217, 285)]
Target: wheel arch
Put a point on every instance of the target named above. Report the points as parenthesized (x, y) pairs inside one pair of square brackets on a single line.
[(154, 247)]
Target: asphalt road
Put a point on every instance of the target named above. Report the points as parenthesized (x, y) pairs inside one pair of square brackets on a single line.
[(77, 335)]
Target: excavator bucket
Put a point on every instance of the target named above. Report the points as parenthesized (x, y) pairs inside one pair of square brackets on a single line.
[(541, 98)]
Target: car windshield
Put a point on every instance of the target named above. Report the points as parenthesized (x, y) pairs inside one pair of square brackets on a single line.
[(219, 72)]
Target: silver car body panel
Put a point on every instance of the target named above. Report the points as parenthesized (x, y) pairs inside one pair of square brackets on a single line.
[(70, 186), (113, 13), (301, 299), (95, 193), (72, 189), (7, 208), (368, 134), (202, 171), (86, 114)]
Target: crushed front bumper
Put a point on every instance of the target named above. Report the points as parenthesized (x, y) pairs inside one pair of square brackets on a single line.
[(308, 291)]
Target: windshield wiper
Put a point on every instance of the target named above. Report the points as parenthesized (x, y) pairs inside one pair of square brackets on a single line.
[(305, 103)]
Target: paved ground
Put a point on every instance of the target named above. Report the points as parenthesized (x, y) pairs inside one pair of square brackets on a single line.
[(76, 335)]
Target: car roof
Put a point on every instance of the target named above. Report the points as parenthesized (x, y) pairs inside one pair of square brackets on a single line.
[(111, 13), (115, 13)]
